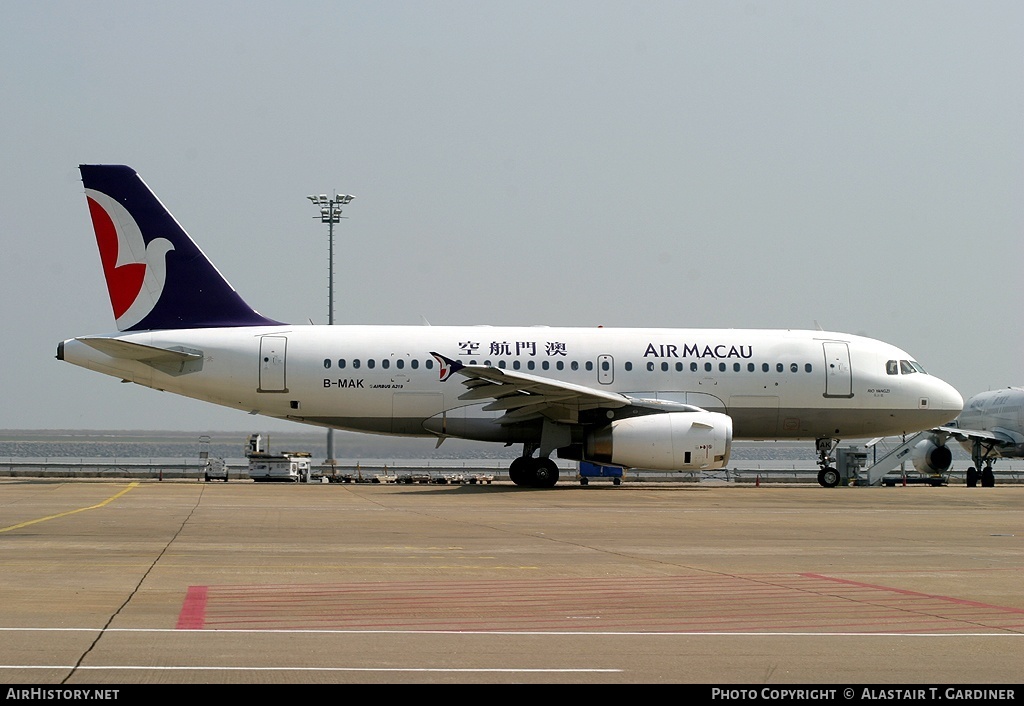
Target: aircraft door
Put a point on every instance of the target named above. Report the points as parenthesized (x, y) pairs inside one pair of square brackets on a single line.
[(272, 364), (605, 369), (838, 372)]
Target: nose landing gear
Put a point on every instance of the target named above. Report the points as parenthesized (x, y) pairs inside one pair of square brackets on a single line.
[(828, 476)]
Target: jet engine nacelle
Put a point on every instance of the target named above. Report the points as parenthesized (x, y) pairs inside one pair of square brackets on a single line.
[(673, 441), (930, 457)]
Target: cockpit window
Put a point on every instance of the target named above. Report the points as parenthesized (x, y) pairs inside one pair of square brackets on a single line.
[(904, 367)]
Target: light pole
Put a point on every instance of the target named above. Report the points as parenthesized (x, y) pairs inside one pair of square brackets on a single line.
[(330, 213)]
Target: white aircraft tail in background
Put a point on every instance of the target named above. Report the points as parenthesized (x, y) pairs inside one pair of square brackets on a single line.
[(651, 398)]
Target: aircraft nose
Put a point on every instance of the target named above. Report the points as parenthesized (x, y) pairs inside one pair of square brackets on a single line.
[(946, 398)]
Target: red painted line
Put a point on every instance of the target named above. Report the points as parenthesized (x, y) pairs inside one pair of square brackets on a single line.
[(766, 602), (193, 611), (916, 594)]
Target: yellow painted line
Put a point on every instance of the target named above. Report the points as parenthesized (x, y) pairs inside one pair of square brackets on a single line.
[(70, 512)]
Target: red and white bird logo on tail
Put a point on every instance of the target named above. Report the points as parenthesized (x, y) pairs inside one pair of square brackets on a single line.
[(135, 272)]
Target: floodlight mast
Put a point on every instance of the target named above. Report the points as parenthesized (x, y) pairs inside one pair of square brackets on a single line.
[(330, 213)]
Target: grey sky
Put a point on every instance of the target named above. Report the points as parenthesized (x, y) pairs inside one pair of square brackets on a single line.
[(853, 165)]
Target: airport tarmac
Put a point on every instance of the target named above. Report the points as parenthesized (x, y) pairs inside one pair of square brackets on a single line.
[(142, 582)]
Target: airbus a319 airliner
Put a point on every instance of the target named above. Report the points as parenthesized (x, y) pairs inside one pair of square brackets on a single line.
[(660, 399)]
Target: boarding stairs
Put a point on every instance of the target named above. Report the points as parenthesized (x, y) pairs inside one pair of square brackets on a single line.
[(891, 460)]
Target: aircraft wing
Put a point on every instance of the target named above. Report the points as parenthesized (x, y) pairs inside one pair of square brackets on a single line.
[(523, 396), (994, 437)]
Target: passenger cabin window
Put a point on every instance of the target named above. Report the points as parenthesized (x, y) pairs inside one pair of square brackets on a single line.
[(327, 362)]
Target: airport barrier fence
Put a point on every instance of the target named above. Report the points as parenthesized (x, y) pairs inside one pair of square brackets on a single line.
[(451, 470)]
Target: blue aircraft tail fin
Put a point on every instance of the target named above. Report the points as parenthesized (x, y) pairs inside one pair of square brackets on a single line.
[(157, 277)]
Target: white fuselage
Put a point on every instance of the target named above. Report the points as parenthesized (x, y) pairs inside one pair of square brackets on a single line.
[(1000, 412), (382, 379)]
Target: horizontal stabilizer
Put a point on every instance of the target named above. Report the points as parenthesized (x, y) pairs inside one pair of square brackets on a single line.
[(173, 361)]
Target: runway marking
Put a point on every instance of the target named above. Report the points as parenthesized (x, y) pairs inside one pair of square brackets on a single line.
[(131, 486), (714, 604), (456, 670), (511, 633), (193, 612), (960, 601)]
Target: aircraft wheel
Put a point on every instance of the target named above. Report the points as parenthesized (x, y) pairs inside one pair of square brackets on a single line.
[(828, 477), (519, 472), (545, 473), (972, 477), (584, 481), (988, 479)]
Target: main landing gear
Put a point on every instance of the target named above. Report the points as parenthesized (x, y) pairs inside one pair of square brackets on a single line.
[(981, 453), (529, 472), (828, 476), (986, 476)]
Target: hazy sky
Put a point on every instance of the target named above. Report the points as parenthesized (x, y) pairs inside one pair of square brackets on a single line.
[(857, 166)]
